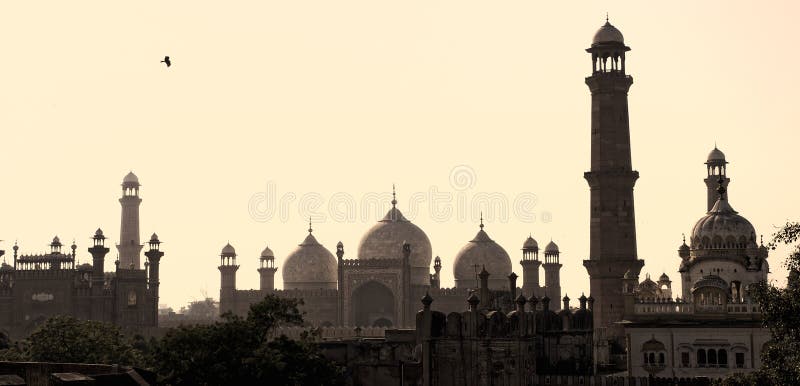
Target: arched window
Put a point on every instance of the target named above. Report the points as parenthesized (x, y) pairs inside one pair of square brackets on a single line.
[(645, 358), (651, 358), (701, 358), (712, 358), (661, 358), (722, 358)]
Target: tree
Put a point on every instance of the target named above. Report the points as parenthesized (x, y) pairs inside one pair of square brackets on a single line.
[(780, 307), (206, 309), (241, 351), (66, 339)]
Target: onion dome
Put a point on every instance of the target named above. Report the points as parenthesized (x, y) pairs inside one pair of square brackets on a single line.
[(56, 242), (716, 156), (608, 34), (386, 238), (663, 277), (228, 251), (551, 247), (267, 253), (130, 180), (482, 251), (722, 228), (712, 281), (530, 243), (310, 266)]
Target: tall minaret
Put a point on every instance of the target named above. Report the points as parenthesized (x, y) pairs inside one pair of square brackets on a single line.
[(129, 247), (612, 226), (552, 272), (530, 268), (716, 167)]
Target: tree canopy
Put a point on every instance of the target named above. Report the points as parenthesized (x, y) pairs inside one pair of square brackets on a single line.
[(780, 361)]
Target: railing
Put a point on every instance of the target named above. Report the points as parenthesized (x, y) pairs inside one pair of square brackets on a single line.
[(671, 307)]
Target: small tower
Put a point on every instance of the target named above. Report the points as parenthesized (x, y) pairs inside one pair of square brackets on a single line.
[(552, 272), (154, 256), (129, 247), (530, 267), (267, 270), (98, 251), (437, 268), (665, 285), (227, 268), (717, 174)]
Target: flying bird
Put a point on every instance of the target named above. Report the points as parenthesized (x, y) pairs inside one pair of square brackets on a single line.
[(166, 61)]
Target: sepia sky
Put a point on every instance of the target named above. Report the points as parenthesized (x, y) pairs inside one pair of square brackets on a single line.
[(318, 107)]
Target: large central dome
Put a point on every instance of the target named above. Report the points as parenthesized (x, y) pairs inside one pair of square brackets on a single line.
[(385, 241), (722, 227)]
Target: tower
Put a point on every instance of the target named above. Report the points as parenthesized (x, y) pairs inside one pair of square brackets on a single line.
[(267, 270), (436, 277), (552, 272), (530, 268), (717, 174), (227, 270), (612, 228), (154, 256), (98, 251), (129, 247)]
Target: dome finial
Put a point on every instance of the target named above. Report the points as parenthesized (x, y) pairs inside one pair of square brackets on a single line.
[(607, 17), (310, 229), (684, 237), (481, 220), (394, 197)]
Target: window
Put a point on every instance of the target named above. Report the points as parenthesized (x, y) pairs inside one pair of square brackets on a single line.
[(701, 358), (661, 358), (684, 359), (645, 358), (712, 358), (651, 358), (722, 358), (739, 360)]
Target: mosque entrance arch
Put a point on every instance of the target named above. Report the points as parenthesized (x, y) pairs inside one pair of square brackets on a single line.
[(373, 304)]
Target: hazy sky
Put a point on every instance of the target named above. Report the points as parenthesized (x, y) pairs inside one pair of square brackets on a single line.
[(337, 100)]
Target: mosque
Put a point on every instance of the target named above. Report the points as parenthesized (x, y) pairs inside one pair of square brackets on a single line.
[(392, 270)]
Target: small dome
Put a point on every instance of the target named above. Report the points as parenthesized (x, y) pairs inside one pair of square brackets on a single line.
[(310, 266), (716, 155), (551, 247), (228, 250), (130, 179), (56, 242), (267, 252), (385, 241), (482, 251), (608, 34), (99, 233), (722, 228), (663, 277), (6, 267), (85, 267), (530, 243)]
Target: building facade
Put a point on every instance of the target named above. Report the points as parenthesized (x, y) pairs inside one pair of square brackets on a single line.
[(394, 268), (38, 286), (711, 328)]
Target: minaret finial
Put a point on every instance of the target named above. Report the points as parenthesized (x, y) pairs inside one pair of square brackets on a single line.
[(606, 16), (310, 229), (394, 197), (684, 237), (481, 220)]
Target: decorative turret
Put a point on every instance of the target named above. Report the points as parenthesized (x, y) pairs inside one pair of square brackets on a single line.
[(99, 252), (530, 267), (266, 270), (435, 277), (153, 263), (717, 174), (552, 271), (227, 268)]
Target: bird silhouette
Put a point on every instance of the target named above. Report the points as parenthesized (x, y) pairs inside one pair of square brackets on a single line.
[(166, 61)]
